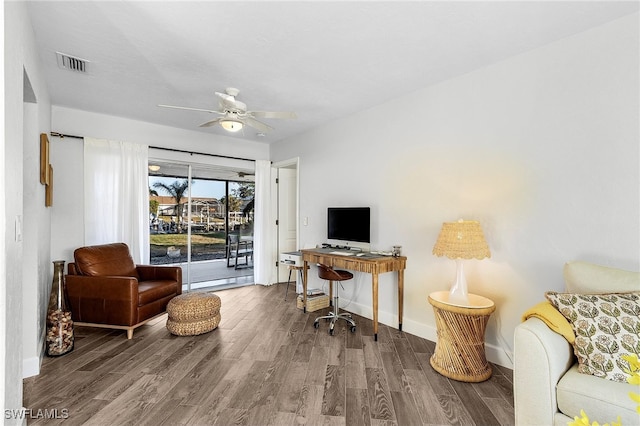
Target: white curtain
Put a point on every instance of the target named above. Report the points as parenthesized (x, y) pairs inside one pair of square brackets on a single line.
[(116, 195), (262, 238)]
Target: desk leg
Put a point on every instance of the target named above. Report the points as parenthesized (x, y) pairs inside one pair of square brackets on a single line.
[(288, 282), (400, 297), (374, 282), (304, 286)]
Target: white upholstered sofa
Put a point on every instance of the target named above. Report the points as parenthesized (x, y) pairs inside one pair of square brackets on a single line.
[(548, 389)]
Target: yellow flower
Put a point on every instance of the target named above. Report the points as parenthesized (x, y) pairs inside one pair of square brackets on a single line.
[(633, 361), (634, 376), (584, 421), (636, 398)]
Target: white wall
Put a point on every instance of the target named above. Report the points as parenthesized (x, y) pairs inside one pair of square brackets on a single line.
[(5, 360), (24, 295), (542, 149), (67, 212)]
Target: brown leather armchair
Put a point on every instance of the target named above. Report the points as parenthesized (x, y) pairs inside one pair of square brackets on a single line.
[(107, 289)]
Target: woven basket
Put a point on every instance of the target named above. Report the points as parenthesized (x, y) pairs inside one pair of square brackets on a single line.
[(193, 313), (314, 303), (193, 328)]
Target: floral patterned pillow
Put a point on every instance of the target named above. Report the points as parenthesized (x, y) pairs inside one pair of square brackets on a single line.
[(607, 326)]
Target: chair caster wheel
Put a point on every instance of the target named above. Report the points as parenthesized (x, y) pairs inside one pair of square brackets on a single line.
[(353, 328), (331, 331), (316, 324)]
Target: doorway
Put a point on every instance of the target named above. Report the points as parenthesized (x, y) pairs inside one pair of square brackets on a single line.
[(194, 210), (286, 210)]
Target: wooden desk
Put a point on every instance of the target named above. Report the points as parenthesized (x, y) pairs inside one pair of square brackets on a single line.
[(371, 264)]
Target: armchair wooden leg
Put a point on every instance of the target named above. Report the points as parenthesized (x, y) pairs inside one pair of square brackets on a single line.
[(128, 328)]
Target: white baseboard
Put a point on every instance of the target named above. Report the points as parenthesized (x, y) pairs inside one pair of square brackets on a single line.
[(495, 354), (498, 355), (31, 367)]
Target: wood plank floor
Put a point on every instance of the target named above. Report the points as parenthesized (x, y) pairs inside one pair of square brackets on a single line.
[(265, 365)]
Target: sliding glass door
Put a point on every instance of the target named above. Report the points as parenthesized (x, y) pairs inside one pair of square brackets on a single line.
[(193, 210)]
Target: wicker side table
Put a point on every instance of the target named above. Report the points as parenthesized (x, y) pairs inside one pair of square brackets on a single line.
[(459, 352)]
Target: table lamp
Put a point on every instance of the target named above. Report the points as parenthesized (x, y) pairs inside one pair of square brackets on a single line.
[(461, 240)]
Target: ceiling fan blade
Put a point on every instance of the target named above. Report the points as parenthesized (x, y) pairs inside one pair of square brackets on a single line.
[(233, 110), (211, 123), (191, 109), (250, 121), (273, 114), (225, 96), (231, 103)]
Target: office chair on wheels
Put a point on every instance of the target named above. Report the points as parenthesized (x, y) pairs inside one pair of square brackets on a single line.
[(334, 276)]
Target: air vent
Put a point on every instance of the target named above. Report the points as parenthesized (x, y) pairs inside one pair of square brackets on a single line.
[(72, 63)]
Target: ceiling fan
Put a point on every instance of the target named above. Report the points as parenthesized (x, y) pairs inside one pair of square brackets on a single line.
[(235, 115)]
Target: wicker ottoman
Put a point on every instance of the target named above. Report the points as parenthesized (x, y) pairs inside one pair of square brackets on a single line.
[(193, 313)]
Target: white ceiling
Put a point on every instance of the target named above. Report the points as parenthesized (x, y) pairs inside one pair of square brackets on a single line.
[(323, 60)]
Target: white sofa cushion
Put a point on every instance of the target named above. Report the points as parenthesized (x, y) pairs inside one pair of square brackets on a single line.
[(583, 277), (602, 400)]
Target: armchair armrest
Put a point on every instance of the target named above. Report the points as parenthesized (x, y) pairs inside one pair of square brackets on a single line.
[(110, 288), (109, 300), (541, 357), (152, 272)]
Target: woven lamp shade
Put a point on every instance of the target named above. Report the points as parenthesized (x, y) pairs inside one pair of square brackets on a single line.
[(461, 240)]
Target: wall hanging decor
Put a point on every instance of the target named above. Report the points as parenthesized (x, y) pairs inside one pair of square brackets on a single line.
[(48, 190), (44, 159)]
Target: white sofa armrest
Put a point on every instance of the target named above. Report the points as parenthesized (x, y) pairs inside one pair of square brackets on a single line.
[(541, 357)]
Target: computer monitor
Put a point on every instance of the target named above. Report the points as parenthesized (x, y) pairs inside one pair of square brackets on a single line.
[(349, 226)]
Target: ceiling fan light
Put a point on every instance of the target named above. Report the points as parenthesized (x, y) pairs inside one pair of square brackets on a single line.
[(231, 125)]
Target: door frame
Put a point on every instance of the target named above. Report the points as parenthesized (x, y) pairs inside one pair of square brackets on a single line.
[(292, 163), (200, 162)]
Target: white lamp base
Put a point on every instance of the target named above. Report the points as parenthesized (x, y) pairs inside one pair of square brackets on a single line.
[(458, 292)]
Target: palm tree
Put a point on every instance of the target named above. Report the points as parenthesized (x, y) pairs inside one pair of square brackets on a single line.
[(153, 204), (176, 190)]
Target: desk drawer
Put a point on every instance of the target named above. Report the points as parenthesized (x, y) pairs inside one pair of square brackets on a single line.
[(291, 258)]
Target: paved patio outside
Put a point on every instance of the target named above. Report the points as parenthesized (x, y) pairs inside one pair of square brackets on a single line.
[(215, 273)]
